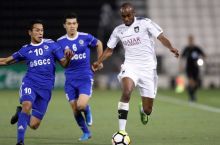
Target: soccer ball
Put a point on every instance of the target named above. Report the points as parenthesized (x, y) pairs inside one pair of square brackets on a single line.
[(120, 138)]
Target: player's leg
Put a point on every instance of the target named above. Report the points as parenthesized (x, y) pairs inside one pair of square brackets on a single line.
[(23, 121), (14, 118), (85, 91), (123, 106), (39, 107), (81, 106), (27, 97), (145, 108), (88, 115), (80, 121), (148, 89)]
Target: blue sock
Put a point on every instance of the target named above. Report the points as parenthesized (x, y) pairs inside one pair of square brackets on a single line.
[(23, 121), (81, 122), (87, 110)]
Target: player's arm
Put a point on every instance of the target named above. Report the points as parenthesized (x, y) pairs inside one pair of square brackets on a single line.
[(68, 54), (106, 54), (99, 48), (7, 61), (167, 44)]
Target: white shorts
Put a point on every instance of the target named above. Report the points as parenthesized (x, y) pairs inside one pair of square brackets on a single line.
[(145, 80)]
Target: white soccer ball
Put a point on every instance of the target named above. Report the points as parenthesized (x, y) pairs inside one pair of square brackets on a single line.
[(121, 138)]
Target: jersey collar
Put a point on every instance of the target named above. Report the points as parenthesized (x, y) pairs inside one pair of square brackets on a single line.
[(74, 38), (38, 44)]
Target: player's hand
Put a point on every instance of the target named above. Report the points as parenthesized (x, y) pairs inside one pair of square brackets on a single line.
[(68, 53), (175, 52), (97, 66)]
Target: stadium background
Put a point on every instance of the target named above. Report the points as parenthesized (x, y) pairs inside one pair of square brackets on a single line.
[(174, 120)]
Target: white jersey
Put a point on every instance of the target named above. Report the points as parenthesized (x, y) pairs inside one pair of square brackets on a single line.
[(138, 42)]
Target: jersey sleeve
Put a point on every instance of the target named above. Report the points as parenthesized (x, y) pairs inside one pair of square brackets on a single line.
[(18, 56), (92, 40), (113, 40), (153, 28), (58, 51)]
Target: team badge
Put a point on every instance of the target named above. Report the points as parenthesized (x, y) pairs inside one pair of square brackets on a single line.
[(46, 47), (81, 42), (136, 29)]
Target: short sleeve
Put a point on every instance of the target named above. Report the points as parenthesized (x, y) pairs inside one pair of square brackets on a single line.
[(58, 51), (18, 55), (113, 40), (92, 40), (154, 29)]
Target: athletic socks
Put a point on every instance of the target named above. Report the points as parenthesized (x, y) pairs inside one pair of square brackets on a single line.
[(81, 122), (122, 114), (23, 121)]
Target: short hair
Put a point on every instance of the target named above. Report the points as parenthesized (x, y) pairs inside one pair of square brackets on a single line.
[(32, 22), (126, 5), (71, 15)]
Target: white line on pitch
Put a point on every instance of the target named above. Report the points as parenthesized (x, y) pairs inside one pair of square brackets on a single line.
[(193, 105)]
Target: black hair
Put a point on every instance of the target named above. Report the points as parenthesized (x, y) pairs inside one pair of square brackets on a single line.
[(32, 22), (71, 15), (126, 5)]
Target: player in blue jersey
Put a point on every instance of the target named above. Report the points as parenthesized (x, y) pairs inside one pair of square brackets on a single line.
[(35, 91), (79, 76)]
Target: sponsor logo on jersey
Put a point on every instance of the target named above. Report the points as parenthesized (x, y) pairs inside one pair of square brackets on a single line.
[(29, 52), (136, 29), (39, 62), (79, 56), (132, 41)]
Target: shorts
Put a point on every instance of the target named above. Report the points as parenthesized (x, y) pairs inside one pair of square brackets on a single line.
[(39, 98), (76, 87), (145, 80)]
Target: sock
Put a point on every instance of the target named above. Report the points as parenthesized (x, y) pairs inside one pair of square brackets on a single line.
[(23, 121), (122, 114), (81, 122), (87, 110)]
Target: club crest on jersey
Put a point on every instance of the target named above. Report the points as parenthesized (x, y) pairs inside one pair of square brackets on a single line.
[(46, 47), (81, 42), (136, 29)]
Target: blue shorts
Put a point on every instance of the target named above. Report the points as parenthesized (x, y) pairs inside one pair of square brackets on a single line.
[(39, 98), (76, 87)]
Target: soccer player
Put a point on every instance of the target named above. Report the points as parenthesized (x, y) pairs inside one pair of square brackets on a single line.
[(35, 91), (79, 76), (192, 53), (139, 69)]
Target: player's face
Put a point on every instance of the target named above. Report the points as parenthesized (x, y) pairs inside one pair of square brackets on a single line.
[(127, 15), (71, 26), (36, 33)]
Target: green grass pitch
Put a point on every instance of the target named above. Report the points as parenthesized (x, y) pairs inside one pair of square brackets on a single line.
[(171, 123)]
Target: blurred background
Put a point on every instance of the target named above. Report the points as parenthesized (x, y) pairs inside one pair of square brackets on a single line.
[(178, 18)]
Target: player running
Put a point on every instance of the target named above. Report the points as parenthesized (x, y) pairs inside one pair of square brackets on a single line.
[(79, 76), (139, 69), (35, 91)]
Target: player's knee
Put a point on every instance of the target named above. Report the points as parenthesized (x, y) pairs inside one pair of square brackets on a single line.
[(126, 96), (81, 107), (34, 126)]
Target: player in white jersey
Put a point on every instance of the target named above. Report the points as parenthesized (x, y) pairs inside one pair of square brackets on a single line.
[(139, 68)]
